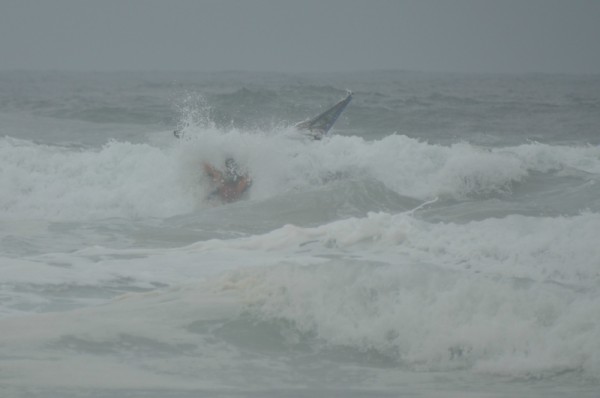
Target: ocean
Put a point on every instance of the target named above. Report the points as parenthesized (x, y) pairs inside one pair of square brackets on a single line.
[(441, 241)]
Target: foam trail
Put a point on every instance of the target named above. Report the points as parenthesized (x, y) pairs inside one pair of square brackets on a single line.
[(422, 205)]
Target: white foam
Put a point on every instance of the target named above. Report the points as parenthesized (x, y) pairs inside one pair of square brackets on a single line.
[(118, 180), (559, 249), (122, 179), (514, 296), (429, 319)]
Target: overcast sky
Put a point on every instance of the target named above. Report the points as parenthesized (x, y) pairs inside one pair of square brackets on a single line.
[(512, 36)]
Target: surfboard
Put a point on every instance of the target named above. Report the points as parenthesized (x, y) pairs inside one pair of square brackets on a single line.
[(320, 125)]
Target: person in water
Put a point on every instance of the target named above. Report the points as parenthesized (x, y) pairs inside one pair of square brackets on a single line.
[(231, 183)]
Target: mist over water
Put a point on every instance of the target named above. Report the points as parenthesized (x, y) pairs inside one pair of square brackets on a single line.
[(441, 240)]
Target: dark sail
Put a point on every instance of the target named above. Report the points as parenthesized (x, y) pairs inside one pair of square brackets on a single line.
[(320, 125)]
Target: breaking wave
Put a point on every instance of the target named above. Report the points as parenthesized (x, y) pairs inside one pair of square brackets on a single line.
[(123, 179)]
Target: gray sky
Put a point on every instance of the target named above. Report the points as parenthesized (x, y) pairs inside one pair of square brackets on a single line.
[(511, 36)]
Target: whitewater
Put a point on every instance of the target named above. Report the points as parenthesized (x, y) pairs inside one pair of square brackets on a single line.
[(441, 241)]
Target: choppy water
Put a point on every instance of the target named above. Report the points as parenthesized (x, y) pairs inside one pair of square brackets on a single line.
[(443, 241)]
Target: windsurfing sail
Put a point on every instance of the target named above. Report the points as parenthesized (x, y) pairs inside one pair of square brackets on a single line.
[(321, 124)]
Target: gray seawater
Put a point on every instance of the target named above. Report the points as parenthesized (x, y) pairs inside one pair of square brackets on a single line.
[(442, 241)]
